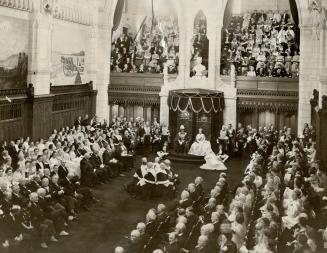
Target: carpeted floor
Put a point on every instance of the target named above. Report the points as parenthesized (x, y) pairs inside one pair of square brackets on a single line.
[(108, 222)]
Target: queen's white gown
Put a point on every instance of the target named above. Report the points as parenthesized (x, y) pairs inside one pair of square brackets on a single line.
[(201, 146), (213, 163)]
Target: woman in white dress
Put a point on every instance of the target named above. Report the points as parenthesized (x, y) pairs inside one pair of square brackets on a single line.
[(201, 146), (213, 163)]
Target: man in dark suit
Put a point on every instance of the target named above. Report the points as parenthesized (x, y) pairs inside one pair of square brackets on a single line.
[(135, 244), (78, 121), (53, 211), (108, 160), (88, 176), (101, 170), (59, 195), (39, 222), (202, 246), (86, 121), (62, 170), (83, 194), (12, 229), (198, 186)]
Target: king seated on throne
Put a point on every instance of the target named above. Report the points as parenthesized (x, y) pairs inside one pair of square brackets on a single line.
[(181, 141)]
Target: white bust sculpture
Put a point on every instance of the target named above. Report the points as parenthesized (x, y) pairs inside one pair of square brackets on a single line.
[(199, 69)]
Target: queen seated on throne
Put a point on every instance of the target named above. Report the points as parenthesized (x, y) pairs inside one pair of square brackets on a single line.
[(200, 146)]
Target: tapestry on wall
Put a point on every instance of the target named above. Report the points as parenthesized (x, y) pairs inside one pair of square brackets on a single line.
[(68, 55), (13, 53)]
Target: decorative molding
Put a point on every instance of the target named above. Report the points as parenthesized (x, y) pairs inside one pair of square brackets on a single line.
[(70, 88), (137, 89), (270, 93), (79, 12), (319, 21), (134, 99), (22, 5), (13, 92), (250, 104)]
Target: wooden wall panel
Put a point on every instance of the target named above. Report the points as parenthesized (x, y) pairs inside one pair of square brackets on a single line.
[(12, 129), (37, 116)]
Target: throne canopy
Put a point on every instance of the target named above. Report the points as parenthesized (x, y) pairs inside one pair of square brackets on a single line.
[(196, 100)]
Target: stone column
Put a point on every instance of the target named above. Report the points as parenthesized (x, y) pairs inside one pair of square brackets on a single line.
[(164, 109), (308, 75), (103, 70), (230, 111), (41, 42), (91, 54), (212, 37), (323, 64)]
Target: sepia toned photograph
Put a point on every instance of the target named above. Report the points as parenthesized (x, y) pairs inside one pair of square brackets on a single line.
[(163, 126)]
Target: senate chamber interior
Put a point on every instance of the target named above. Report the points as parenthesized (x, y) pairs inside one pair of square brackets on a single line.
[(163, 126)]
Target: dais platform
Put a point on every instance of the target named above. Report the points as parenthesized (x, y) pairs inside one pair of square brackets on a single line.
[(185, 158)]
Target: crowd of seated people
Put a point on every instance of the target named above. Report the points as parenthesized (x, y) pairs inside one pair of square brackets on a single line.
[(242, 141), (261, 43), (156, 44), (140, 136), (44, 184), (278, 206)]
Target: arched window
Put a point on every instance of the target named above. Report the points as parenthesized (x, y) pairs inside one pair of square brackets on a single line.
[(263, 42), (147, 38)]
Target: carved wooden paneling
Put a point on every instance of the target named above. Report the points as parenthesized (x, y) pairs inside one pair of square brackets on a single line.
[(136, 79), (42, 120), (264, 101), (267, 83), (37, 116), (135, 89), (12, 118), (12, 129), (67, 107)]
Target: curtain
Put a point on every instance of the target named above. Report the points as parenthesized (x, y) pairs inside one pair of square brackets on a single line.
[(118, 14), (228, 13), (295, 16), (294, 12)]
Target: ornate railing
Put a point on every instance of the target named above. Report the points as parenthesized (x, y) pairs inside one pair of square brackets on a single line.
[(71, 88), (13, 92)]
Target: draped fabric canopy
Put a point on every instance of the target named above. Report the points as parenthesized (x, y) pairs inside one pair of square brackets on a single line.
[(118, 14), (196, 100)]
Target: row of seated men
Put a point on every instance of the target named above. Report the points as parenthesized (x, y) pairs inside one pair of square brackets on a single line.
[(141, 136), (153, 180), (184, 226), (45, 184), (279, 206)]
